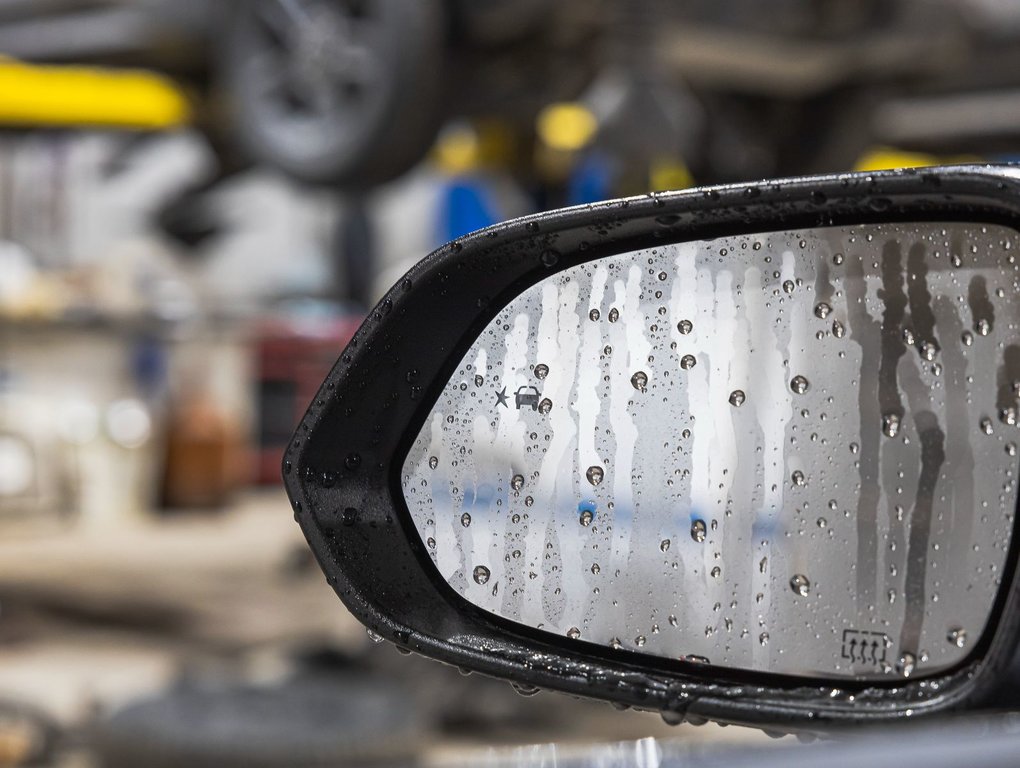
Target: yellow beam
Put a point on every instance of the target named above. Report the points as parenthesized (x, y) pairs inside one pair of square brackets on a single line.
[(73, 96), (889, 158)]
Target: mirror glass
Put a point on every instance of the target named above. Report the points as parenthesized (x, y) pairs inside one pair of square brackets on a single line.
[(791, 453)]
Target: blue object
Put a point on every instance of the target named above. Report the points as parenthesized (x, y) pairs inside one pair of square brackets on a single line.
[(464, 207), (591, 180), (149, 365)]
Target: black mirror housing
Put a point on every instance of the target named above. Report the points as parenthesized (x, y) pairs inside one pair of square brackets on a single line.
[(342, 467)]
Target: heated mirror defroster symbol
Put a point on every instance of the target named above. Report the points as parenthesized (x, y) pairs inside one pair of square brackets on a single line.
[(862, 647)]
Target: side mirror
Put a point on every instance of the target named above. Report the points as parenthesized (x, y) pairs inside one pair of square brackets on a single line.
[(746, 453)]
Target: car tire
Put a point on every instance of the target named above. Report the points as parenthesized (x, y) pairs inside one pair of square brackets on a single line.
[(345, 93)]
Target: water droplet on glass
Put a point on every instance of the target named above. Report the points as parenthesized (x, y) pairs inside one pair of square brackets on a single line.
[(594, 315), (480, 574), (479, 380), (957, 637), (685, 327), (595, 568), (890, 425), (928, 351), (433, 462), (837, 329), (799, 384), (614, 315), (906, 664), (800, 585), (662, 276), (854, 448), (517, 482), (837, 259), (1008, 416), (586, 518), (986, 425), (1011, 449), (763, 565), (737, 398), (545, 406), (822, 310), (687, 362), (573, 633), (541, 371), (673, 622), (716, 572), (594, 475), (798, 478), (788, 286), (822, 522), (698, 532), (967, 338), (375, 637), (983, 327), (763, 638), (465, 519), (664, 545), (639, 381), (908, 337)]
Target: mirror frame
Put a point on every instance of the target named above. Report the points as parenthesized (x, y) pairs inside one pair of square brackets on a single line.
[(342, 468)]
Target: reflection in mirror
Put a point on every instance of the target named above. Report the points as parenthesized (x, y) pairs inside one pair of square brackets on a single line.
[(790, 453)]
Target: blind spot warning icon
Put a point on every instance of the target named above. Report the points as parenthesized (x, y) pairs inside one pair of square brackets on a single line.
[(526, 396)]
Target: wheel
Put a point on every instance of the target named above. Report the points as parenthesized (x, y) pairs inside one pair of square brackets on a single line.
[(339, 92)]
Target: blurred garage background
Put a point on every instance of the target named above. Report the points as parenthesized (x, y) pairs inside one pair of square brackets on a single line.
[(199, 199)]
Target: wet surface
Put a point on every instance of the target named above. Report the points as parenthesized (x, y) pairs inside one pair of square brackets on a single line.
[(791, 453)]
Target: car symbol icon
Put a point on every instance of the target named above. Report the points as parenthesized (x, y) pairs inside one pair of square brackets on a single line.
[(526, 396)]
